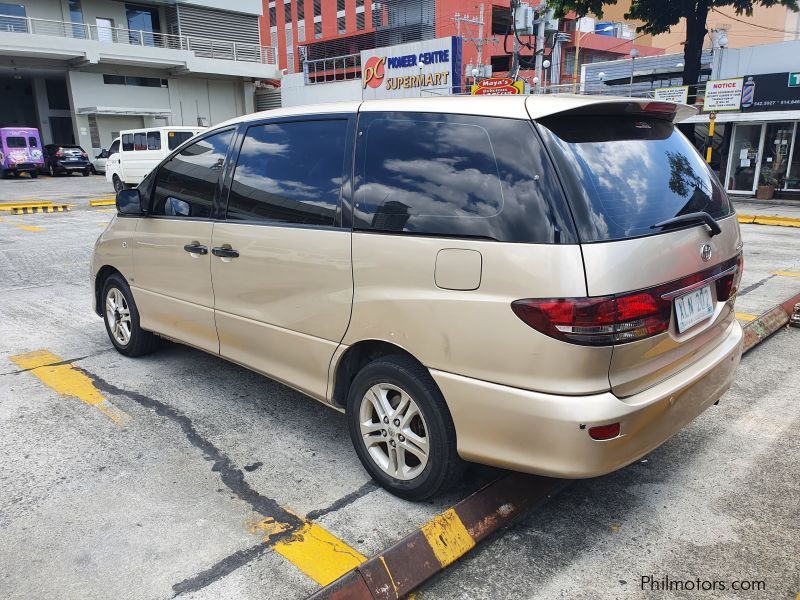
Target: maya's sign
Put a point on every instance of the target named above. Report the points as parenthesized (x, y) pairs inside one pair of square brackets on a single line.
[(498, 86), (405, 70), (723, 94)]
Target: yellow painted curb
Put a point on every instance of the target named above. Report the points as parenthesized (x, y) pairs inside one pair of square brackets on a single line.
[(767, 220), (102, 202), (31, 204)]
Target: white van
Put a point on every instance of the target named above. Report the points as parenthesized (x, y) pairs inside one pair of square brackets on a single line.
[(140, 150)]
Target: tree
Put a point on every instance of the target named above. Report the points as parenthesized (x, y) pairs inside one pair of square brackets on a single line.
[(658, 16)]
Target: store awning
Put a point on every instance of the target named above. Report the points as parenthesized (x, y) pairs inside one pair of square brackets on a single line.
[(120, 110), (736, 116)]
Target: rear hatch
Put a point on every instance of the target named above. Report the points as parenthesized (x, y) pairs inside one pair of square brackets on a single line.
[(72, 153), (659, 237)]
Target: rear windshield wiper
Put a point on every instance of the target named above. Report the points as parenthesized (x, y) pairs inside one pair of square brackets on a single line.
[(695, 217)]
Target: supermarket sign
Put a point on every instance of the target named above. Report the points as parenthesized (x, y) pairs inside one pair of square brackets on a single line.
[(406, 70), (498, 86), (723, 94)]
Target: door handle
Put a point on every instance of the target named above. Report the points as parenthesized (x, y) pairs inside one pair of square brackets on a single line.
[(225, 252), (195, 248)]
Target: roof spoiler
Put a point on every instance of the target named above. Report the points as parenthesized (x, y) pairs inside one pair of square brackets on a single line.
[(546, 105)]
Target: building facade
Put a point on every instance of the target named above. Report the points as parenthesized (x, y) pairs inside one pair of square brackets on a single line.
[(82, 70)]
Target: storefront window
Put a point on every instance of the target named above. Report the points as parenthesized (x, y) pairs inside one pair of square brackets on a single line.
[(743, 156), (775, 155), (793, 173)]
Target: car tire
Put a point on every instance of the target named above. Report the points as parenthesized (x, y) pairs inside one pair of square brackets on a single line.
[(4, 175), (34, 174), (50, 170), (410, 452), (122, 325), (87, 172), (117, 182)]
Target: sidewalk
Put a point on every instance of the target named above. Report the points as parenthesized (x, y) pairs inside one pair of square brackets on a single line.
[(768, 212)]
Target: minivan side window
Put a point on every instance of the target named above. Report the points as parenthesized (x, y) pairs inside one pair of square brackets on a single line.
[(289, 173), (32, 143), (186, 184), (15, 142), (127, 142), (176, 138), (457, 175), (114, 148), (140, 141), (153, 140)]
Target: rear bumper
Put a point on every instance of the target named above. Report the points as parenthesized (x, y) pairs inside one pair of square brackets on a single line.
[(62, 167), (542, 433)]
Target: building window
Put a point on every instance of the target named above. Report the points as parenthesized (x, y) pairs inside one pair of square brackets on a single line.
[(301, 10), (360, 21), (289, 40), (144, 24), (12, 18), (341, 24), (359, 4), (287, 12), (339, 5), (272, 17), (317, 29), (317, 8), (135, 81), (273, 34), (76, 18), (377, 21), (301, 33)]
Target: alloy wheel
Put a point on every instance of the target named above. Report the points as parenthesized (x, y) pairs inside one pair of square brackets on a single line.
[(118, 315)]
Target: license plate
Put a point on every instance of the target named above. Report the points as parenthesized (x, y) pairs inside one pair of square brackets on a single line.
[(694, 307)]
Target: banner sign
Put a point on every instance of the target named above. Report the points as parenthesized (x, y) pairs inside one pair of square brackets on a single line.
[(404, 71), (673, 94), (723, 94), (498, 86), (771, 91)]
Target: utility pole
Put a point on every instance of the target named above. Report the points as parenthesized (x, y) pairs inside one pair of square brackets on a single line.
[(540, 33), (479, 41)]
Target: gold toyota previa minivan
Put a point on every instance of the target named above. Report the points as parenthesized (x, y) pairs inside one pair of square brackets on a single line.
[(541, 283)]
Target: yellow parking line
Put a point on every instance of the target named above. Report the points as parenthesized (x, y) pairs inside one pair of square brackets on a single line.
[(786, 273), (746, 317), (319, 554), (66, 380), (29, 227)]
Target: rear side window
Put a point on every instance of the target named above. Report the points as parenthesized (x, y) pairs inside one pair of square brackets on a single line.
[(33, 142), (456, 175), (289, 173), (140, 141), (127, 142), (153, 140), (15, 142), (624, 174), (176, 138), (187, 183)]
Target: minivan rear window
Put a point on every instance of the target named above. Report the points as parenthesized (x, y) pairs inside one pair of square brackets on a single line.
[(624, 174)]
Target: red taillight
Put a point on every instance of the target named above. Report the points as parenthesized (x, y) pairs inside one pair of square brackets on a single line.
[(601, 321), (604, 432), (84, 155), (59, 154), (728, 286)]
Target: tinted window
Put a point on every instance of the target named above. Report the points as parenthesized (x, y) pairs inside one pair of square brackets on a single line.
[(627, 173), (457, 175), (140, 141), (15, 142), (114, 148), (127, 142), (186, 184), (32, 142), (153, 140), (176, 138), (289, 173)]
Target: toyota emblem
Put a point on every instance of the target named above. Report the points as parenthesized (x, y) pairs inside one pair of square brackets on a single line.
[(706, 251)]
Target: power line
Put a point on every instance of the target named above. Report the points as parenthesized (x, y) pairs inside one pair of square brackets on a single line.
[(727, 16)]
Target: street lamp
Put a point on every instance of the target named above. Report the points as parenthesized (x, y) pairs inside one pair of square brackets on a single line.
[(546, 65), (578, 38), (475, 76), (634, 54)]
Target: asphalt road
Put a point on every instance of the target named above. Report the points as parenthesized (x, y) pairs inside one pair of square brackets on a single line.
[(170, 497)]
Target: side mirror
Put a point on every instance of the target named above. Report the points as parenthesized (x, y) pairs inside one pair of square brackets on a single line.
[(129, 202)]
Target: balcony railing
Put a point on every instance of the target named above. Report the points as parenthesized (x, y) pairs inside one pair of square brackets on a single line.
[(202, 47)]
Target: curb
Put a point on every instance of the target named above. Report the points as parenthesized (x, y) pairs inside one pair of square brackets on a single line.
[(767, 323), (396, 572), (403, 567), (768, 220), (25, 208)]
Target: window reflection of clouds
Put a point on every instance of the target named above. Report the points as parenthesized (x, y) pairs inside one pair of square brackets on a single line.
[(458, 175)]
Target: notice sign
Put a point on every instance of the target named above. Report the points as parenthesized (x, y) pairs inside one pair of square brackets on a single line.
[(723, 94), (407, 70), (498, 86), (673, 94)]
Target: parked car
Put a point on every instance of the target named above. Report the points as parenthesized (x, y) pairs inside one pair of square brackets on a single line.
[(99, 161), (20, 151), (66, 159), (551, 290), (141, 150)]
